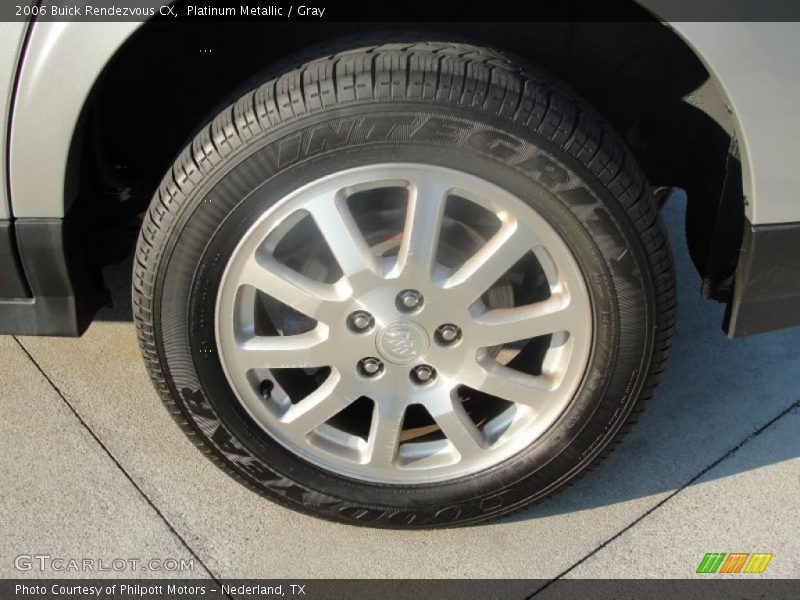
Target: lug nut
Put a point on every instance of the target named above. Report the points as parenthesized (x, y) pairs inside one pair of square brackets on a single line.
[(423, 374), (409, 300), (360, 321), (448, 333), (370, 367)]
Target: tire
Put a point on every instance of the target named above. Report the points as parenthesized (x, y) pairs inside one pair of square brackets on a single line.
[(433, 108)]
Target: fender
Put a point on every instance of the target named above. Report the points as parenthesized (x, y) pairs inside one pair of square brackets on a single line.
[(61, 64), (755, 66), (12, 40)]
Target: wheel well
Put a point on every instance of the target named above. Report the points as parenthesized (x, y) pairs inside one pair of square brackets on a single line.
[(166, 81)]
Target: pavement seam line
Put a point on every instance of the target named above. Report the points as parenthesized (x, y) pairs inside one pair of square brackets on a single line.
[(108, 453), (743, 442)]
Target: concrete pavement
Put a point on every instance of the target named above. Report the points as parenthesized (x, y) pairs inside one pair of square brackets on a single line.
[(713, 465), (63, 495)]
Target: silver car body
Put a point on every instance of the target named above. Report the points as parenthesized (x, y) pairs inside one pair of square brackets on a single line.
[(754, 64)]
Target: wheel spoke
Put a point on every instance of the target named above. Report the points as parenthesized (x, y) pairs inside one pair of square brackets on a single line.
[(511, 385), (490, 262), (288, 286), (422, 227), (384, 434), (506, 325), (316, 408), (305, 350), (456, 425), (344, 238)]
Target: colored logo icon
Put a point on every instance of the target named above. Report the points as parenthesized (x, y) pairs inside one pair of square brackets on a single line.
[(734, 562)]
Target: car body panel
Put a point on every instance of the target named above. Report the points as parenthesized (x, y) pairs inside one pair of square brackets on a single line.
[(61, 64), (756, 66), (12, 38)]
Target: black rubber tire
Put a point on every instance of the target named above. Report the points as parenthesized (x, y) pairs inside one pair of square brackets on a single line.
[(451, 104)]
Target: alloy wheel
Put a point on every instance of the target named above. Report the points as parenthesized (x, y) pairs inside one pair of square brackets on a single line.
[(403, 323)]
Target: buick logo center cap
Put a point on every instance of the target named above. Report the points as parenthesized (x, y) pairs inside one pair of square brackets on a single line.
[(402, 342)]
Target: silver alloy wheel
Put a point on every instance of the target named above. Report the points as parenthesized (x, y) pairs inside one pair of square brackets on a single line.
[(360, 324)]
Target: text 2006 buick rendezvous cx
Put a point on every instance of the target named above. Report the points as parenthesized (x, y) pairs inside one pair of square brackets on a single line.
[(404, 275)]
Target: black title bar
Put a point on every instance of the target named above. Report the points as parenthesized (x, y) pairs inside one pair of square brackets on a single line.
[(407, 10), (703, 587)]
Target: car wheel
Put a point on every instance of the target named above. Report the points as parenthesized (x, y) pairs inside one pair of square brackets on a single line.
[(406, 286)]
